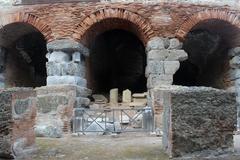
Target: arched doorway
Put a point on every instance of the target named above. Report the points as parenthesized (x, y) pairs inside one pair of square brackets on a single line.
[(24, 55), (117, 60), (116, 38), (208, 44)]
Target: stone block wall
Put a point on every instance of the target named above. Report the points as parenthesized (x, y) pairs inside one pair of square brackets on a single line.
[(17, 120), (197, 120), (234, 76), (55, 108), (163, 56), (2, 67), (66, 64)]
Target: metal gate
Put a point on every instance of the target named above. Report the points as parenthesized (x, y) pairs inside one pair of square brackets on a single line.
[(113, 120)]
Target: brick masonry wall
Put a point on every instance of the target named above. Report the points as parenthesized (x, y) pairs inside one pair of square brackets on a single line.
[(17, 120), (203, 121), (57, 21)]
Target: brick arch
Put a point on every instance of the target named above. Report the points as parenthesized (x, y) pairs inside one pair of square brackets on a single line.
[(31, 19), (143, 27), (206, 15)]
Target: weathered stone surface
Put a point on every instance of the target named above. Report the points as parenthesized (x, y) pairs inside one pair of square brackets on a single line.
[(175, 55), (55, 106), (205, 120), (166, 42), (158, 55), (140, 95), (127, 96), (68, 46), (65, 68), (175, 44), (114, 96), (99, 98), (171, 67), (58, 56), (48, 130), (155, 43), (76, 57), (17, 119), (168, 55), (49, 103), (234, 52), (71, 80), (71, 90), (81, 102), (154, 67), (2, 80), (235, 62), (155, 80)]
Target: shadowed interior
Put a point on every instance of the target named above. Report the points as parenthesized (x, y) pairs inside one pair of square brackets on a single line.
[(207, 45), (25, 61)]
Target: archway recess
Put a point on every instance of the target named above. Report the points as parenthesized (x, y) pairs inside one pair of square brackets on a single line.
[(23, 61), (110, 34), (207, 38), (113, 18), (197, 18), (36, 22)]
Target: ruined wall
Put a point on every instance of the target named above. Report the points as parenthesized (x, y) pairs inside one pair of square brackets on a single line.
[(197, 120), (55, 106), (17, 119)]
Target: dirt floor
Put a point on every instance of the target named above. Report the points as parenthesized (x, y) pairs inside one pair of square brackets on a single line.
[(123, 147)]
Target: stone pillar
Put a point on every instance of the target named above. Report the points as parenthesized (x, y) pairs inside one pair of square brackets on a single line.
[(235, 77), (66, 63), (163, 56), (2, 67), (65, 90)]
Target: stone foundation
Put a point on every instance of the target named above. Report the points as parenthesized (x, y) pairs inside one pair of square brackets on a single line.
[(55, 108), (17, 119), (197, 119)]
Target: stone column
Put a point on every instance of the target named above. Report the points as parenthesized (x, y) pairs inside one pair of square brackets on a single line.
[(235, 76), (163, 56), (65, 90), (66, 63), (2, 67)]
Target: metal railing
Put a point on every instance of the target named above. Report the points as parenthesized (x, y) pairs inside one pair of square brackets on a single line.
[(113, 120)]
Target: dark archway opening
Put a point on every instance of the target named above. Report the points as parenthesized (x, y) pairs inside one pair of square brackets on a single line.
[(25, 61), (207, 45), (117, 60)]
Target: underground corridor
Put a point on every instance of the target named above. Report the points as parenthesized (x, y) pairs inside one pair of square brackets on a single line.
[(117, 60), (207, 45), (23, 56)]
